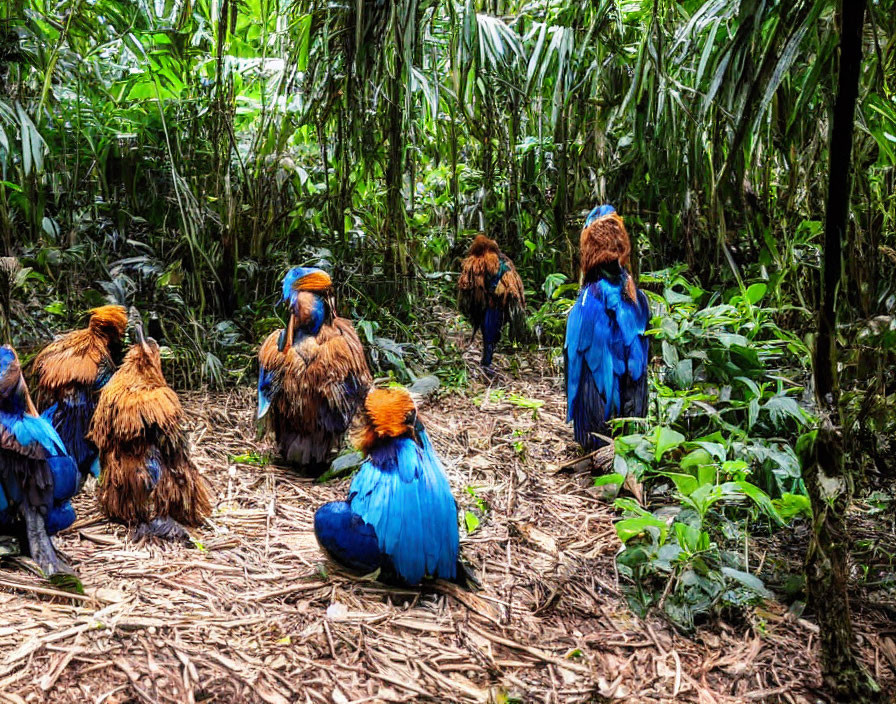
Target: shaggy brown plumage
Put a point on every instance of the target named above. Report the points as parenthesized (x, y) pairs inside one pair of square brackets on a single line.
[(489, 281), (78, 358), (137, 429), (320, 381), (605, 241), (477, 271)]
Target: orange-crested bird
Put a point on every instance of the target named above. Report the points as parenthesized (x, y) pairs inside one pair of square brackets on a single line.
[(606, 349), (147, 478), (400, 516), (37, 477), (490, 293), (69, 374), (313, 375)]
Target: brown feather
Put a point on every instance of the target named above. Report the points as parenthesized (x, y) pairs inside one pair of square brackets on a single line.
[(387, 413), (311, 376), (606, 241), (138, 414), (75, 359), (481, 264)]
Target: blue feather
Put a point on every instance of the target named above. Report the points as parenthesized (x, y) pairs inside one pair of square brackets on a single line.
[(491, 333), (344, 533), (71, 419), (402, 492), (265, 390), (154, 464), (29, 431), (318, 314), (65, 477), (605, 353), (293, 275), (60, 517), (599, 212)]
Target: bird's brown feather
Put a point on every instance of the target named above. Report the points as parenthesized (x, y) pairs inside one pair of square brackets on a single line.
[(139, 414), (604, 241), (76, 358), (482, 263)]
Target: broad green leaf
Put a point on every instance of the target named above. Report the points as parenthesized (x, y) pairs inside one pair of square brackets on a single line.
[(748, 580), (756, 293), (666, 439), (629, 528)]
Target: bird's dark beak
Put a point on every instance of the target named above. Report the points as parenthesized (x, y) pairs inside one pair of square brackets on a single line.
[(286, 338), (139, 337)]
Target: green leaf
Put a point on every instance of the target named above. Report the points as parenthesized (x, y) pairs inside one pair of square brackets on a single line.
[(759, 497), (67, 582), (471, 521), (629, 528), (685, 483), (666, 439), (756, 293), (748, 580), (695, 458)]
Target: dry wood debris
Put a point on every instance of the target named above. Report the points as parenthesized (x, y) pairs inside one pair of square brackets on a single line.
[(256, 614)]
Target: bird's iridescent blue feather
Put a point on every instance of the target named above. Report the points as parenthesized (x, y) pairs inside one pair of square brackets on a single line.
[(599, 212), (403, 494), (605, 352), (31, 430), (265, 390), (293, 275)]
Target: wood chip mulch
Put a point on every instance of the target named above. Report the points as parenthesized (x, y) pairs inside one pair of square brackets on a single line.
[(257, 614)]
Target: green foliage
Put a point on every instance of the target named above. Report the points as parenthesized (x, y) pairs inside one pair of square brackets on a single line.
[(719, 446)]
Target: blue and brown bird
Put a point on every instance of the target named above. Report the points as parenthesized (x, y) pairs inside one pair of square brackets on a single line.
[(69, 374), (313, 375), (400, 516), (147, 478), (606, 349), (37, 477), (490, 294)]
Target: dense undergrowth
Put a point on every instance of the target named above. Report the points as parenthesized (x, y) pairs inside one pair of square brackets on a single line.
[(177, 157)]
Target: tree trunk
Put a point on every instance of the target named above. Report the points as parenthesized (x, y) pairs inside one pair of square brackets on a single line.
[(827, 477)]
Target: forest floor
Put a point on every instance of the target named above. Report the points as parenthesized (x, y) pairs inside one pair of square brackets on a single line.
[(257, 614)]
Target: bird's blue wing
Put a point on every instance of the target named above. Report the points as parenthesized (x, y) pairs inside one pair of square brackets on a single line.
[(29, 430), (606, 357), (265, 390), (402, 492), (442, 538), (71, 419), (50, 489)]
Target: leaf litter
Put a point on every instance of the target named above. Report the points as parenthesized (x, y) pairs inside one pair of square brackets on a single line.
[(256, 613)]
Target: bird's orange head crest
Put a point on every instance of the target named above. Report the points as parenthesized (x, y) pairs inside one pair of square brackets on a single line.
[(604, 240), (110, 320), (388, 413), (482, 245), (302, 278)]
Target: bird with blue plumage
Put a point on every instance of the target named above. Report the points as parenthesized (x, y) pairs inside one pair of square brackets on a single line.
[(606, 349), (400, 516), (69, 374), (37, 477), (313, 375), (490, 295)]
